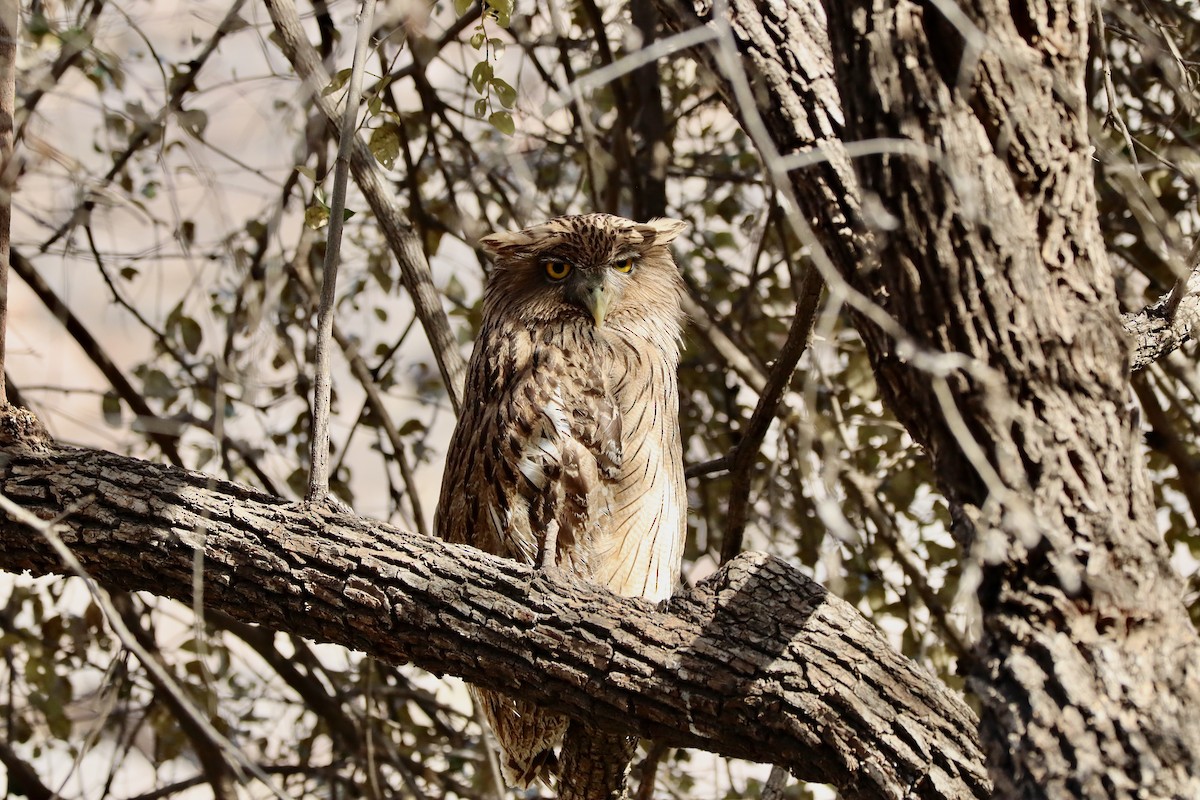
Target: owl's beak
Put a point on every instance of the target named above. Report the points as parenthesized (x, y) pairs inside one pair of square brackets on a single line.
[(593, 294), (597, 300)]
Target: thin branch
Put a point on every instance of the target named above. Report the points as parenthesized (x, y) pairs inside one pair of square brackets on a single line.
[(746, 454), (65, 561), (162, 432), (22, 777), (180, 88), (318, 476), (402, 239), (9, 169)]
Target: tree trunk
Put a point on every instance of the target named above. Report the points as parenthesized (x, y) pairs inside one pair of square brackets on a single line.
[(1004, 356)]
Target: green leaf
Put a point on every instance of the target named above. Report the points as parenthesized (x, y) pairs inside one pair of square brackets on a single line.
[(506, 94), (503, 122), (481, 76), (337, 82), (502, 10), (462, 6), (111, 406), (480, 107), (385, 144), (410, 427), (194, 121), (191, 334), (316, 216), (156, 384), (478, 39)]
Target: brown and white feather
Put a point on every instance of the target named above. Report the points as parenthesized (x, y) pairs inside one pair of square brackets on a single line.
[(570, 428)]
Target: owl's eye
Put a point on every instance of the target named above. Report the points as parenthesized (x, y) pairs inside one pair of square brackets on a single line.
[(557, 270), (623, 265)]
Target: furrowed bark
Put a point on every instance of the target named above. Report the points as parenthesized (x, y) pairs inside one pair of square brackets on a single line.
[(757, 663), (1088, 671), (1089, 668)]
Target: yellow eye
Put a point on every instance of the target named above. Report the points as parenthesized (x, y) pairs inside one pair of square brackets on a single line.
[(623, 265), (557, 270)]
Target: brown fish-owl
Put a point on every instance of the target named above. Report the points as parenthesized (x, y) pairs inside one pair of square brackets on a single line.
[(567, 452)]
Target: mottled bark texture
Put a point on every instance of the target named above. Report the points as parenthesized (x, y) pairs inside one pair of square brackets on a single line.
[(758, 663), (1088, 670)]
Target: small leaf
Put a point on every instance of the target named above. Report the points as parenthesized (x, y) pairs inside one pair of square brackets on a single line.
[(111, 406), (385, 144), (337, 82), (503, 10), (129, 273), (255, 229), (156, 384), (186, 233), (191, 334), (506, 94), (478, 39), (234, 24), (462, 6), (503, 122), (194, 121), (410, 427), (481, 76), (316, 216), (480, 107)]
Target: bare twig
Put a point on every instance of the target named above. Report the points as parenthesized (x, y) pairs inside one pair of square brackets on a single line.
[(161, 431), (9, 19), (318, 476), (402, 239), (48, 531), (741, 469)]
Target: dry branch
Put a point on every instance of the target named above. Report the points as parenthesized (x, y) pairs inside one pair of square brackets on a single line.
[(759, 663)]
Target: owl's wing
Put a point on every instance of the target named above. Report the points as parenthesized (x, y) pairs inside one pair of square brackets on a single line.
[(568, 456)]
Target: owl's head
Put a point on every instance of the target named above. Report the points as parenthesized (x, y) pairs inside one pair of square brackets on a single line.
[(594, 268)]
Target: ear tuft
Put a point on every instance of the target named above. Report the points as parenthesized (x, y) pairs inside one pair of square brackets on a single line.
[(662, 230), (505, 242)]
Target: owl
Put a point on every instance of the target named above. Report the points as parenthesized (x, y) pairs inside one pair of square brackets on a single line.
[(567, 453)]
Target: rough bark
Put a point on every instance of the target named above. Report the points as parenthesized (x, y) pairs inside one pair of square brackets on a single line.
[(1158, 329), (757, 663), (784, 49), (1088, 670), (593, 764)]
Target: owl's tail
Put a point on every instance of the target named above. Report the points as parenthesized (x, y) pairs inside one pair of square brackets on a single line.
[(527, 736)]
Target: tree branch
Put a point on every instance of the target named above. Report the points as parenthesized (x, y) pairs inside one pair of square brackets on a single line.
[(401, 238), (1158, 329), (758, 663)]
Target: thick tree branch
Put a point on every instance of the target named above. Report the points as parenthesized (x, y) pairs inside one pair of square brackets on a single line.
[(758, 663), (1158, 329)]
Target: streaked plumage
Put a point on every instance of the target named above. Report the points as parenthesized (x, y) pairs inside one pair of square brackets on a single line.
[(567, 451)]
